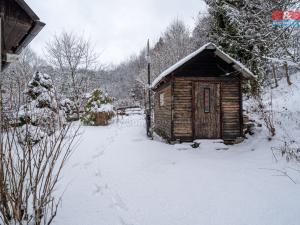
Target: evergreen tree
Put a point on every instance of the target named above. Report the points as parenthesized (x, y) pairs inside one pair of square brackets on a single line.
[(97, 102), (39, 116), (244, 30), (69, 109), (201, 31)]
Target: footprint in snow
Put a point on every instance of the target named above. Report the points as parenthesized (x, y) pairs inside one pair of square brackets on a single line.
[(87, 164), (98, 173), (122, 221), (118, 202), (98, 190), (75, 165), (111, 139), (137, 140), (98, 155), (182, 148)]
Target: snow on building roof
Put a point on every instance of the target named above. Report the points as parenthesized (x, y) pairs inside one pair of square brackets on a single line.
[(210, 46)]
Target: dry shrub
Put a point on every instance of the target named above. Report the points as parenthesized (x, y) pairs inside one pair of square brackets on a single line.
[(30, 171), (267, 114)]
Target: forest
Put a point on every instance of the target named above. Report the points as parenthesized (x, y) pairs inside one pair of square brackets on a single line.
[(244, 31)]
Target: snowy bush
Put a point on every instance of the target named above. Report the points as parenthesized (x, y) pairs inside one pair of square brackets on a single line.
[(69, 109), (41, 109), (288, 149), (30, 134), (98, 106)]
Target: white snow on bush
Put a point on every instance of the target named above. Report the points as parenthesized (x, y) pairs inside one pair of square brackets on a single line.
[(30, 134), (106, 108)]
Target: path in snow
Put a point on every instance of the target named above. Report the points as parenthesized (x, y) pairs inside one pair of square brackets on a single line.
[(119, 177)]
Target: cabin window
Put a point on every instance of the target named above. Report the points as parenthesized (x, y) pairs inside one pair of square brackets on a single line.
[(162, 99), (206, 100)]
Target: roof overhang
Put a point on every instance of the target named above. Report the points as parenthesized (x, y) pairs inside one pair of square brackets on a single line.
[(35, 26), (27, 9), (246, 73), (32, 33)]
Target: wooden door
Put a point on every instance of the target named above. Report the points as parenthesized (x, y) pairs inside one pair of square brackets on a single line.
[(207, 110)]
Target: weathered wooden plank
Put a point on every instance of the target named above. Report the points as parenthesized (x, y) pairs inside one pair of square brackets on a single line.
[(163, 114)]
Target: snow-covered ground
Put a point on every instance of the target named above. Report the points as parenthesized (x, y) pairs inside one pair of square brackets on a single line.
[(119, 177)]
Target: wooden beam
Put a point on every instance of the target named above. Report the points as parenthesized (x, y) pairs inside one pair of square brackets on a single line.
[(241, 110), (193, 109), (221, 111), (172, 108)]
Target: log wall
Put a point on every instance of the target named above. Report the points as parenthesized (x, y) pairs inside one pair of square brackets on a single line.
[(183, 108), (183, 100), (231, 109), (163, 114)]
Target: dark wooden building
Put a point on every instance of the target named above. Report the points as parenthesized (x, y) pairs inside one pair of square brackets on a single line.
[(19, 26), (200, 97)]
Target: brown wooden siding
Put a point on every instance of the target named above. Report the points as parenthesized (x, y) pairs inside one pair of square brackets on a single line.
[(231, 111), (12, 9), (184, 108), (183, 113), (163, 114), (16, 24)]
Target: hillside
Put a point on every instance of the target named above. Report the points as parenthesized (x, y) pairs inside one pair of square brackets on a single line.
[(284, 104)]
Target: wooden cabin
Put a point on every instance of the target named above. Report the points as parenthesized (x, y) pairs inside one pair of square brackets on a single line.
[(19, 25), (200, 97)]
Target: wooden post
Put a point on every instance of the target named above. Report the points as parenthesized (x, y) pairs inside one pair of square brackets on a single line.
[(1, 108), (287, 73), (0, 45), (274, 75), (2, 184), (193, 108), (172, 108), (148, 114)]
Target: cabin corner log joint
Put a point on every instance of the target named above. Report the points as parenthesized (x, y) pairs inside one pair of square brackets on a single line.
[(200, 97)]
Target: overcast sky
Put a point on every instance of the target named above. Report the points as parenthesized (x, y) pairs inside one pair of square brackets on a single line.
[(118, 28)]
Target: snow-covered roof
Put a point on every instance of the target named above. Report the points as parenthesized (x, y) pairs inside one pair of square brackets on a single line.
[(210, 46)]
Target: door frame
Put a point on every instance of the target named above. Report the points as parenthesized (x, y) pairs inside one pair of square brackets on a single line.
[(194, 105)]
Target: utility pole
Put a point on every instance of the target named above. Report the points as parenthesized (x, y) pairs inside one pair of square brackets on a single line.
[(1, 133), (148, 111), (1, 109)]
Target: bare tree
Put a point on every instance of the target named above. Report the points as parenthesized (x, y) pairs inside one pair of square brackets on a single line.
[(73, 56), (16, 77), (175, 44)]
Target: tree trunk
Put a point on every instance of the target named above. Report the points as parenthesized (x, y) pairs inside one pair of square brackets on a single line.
[(275, 76), (287, 74)]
